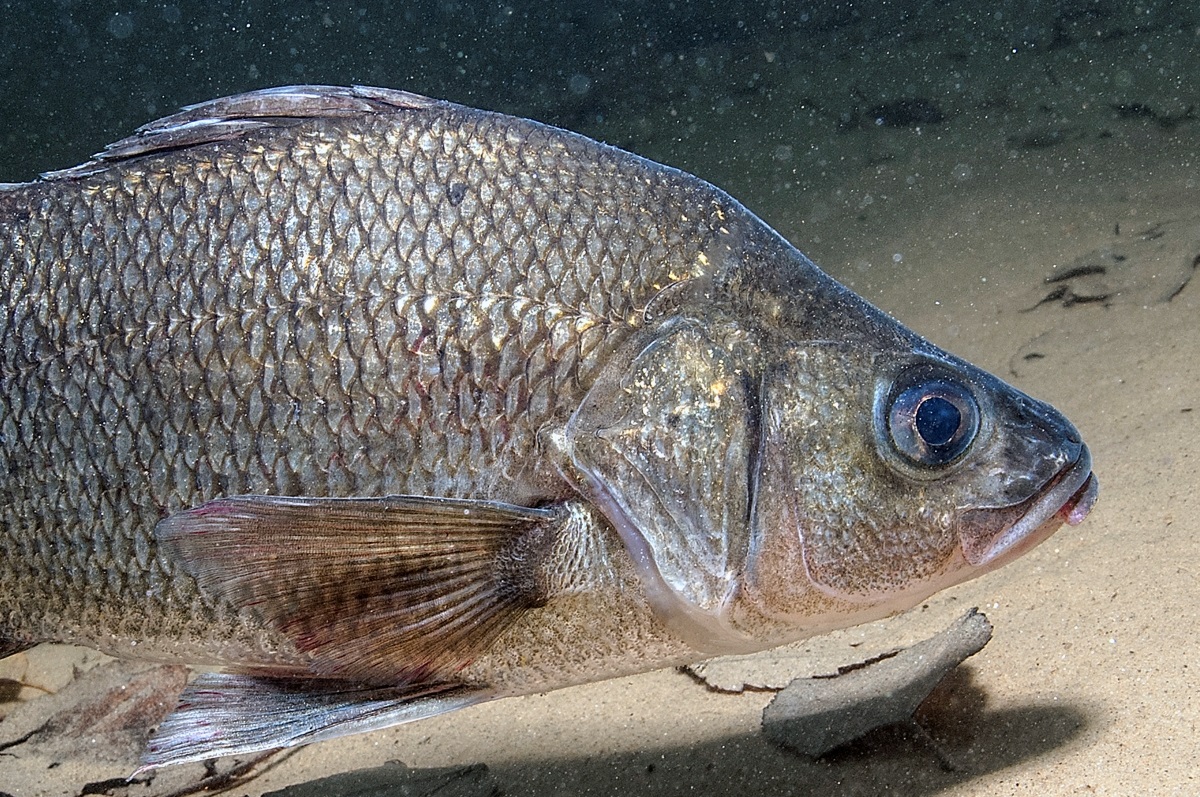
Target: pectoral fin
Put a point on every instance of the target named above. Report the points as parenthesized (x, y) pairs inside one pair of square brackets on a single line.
[(226, 714), (387, 591)]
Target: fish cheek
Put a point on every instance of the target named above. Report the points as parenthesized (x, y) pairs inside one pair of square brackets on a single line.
[(838, 533)]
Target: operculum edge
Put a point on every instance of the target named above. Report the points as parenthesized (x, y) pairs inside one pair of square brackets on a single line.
[(660, 445), (707, 630)]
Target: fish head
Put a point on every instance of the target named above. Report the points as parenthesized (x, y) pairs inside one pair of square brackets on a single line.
[(887, 475), (887, 468), (781, 458)]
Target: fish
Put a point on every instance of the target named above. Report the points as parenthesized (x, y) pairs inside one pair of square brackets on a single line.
[(371, 406)]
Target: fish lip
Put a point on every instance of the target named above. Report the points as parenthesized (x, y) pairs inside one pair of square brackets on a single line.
[(1069, 496)]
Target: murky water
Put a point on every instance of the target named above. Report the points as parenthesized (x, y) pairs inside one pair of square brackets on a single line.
[(943, 161)]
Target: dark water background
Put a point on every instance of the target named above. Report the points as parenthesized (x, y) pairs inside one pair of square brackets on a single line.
[(80, 74), (710, 86), (840, 123)]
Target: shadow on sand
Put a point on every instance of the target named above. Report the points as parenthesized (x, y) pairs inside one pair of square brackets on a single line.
[(954, 741)]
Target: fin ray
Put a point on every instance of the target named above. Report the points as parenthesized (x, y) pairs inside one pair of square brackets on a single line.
[(229, 118), (221, 714), (383, 591)]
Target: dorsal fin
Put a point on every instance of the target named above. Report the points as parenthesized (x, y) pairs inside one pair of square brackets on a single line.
[(231, 117)]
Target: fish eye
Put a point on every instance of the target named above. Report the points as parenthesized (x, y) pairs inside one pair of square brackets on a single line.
[(933, 422)]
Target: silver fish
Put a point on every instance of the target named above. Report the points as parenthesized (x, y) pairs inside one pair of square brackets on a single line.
[(379, 406)]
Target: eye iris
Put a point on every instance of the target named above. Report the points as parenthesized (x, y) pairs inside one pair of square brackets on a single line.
[(937, 421), (932, 422)]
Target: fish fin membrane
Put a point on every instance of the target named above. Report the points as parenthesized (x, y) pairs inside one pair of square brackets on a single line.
[(229, 118), (381, 591), (224, 714)]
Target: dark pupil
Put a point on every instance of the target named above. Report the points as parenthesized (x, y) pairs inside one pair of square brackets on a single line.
[(937, 421)]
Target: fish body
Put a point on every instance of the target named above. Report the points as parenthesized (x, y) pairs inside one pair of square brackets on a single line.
[(384, 406)]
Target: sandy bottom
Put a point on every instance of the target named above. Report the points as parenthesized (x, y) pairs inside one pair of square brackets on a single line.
[(1088, 686)]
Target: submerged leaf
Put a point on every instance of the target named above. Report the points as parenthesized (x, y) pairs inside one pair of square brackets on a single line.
[(1150, 266), (815, 715)]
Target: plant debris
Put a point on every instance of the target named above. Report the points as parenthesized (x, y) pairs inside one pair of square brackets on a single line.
[(1152, 266), (816, 715), (117, 703)]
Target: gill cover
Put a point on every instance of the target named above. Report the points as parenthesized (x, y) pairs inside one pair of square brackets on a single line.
[(663, 446)]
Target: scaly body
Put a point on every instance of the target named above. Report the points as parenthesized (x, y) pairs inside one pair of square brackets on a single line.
[(331, 311), (353, 390)]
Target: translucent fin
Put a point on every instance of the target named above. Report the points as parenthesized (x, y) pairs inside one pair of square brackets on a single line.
[(232, 117), (383, 591), (223, 714)]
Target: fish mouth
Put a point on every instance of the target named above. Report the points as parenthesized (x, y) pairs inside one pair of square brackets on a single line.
[(1067, 497)]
